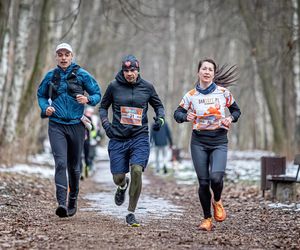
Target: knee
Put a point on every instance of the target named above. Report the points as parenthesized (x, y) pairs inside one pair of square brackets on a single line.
[(203, 183), (136, 171), (217, 178), (60, 166), (119, 179)]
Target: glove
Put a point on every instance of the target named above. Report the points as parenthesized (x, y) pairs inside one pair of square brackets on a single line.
[(159, 122), (107, 127), (109, 132), (87, 122)]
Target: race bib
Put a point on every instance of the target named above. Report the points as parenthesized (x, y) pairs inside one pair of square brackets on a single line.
[(209, 122), (131, 116)]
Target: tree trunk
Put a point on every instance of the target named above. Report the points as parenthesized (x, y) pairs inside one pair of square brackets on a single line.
[(172, 57), (18, 82), (287, 79), (28, 126), (193, 38), (254, 14), (88, 27), (7, 64), (296, 68), (4, 10)]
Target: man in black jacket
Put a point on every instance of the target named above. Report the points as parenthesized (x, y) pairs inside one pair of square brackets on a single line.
[(129, 146)]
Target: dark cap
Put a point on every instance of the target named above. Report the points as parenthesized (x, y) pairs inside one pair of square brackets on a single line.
[(130, 62)]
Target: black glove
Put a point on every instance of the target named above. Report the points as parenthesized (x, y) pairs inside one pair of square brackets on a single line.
[(108, 130), (158, 123)]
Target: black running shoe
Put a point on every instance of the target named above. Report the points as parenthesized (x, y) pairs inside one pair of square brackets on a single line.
[(131, 221), (61, 211), (120, 194), (165, 169), (72, 207)]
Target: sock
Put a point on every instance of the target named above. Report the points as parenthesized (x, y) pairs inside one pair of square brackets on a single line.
[(123, 188)]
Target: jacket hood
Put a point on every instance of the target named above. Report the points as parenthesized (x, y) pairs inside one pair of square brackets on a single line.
[(120, 78)]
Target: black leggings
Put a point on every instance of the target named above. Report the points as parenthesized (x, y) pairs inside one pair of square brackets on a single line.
[(66, 144), (209, 163)]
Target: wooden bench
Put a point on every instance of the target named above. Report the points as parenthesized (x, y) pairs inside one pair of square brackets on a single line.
[(284, 187), (271, 165)]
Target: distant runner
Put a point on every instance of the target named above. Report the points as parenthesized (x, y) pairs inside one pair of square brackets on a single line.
[(160, 140)]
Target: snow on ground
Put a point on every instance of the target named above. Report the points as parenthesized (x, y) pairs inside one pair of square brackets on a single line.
[(148, 206), (43, 172), (241, 165)]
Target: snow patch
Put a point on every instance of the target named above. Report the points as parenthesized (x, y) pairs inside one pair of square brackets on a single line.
[(29, 170)]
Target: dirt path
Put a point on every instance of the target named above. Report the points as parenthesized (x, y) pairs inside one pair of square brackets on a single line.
[(28, 221)]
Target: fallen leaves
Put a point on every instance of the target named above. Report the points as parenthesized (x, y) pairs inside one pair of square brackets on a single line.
[(27, 207)]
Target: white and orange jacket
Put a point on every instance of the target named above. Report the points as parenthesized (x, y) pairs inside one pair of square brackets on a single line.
[(209, 108)]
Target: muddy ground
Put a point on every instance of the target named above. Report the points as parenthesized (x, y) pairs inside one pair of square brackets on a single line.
[(27, 206)]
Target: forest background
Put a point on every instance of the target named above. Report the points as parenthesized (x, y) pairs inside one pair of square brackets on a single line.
[(169, 37)]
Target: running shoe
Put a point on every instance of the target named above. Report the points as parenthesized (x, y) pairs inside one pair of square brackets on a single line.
[(61, 211), (72, 207), (206, 224), (219, 211), (165, 169), (120, 194), (131, 221)]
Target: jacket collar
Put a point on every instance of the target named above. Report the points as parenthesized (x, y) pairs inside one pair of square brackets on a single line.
[(211, 88)]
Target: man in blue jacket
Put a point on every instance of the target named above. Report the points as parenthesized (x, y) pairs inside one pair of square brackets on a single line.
[(62, 95), (129, 146)]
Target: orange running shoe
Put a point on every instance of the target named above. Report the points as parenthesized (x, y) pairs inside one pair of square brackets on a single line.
[(206, 224), (219, 211)]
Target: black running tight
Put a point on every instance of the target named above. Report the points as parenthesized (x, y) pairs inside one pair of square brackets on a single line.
[(216, 184), (209, 163), (66, 144)]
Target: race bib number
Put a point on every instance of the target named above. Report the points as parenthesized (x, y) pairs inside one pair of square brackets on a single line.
[(131, 116)]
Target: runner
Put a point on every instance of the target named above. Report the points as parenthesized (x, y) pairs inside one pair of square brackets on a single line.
[(160, 140), (204, 106), (61, 97), (129, 147)]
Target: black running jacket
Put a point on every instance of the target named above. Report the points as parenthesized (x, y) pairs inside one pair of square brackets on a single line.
[(129, 105)]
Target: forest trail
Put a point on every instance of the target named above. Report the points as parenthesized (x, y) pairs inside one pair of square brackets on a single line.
[(28, 219)]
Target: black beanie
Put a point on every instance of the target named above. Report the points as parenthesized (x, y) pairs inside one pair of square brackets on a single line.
[(130, 62)]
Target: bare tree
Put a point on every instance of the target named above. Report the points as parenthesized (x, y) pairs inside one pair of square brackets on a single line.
[(257, 16), (29, 112), (169, 38), (18, 81), (7, 63)]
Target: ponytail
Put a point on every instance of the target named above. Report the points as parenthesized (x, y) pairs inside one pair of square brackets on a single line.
[(224, 75)]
